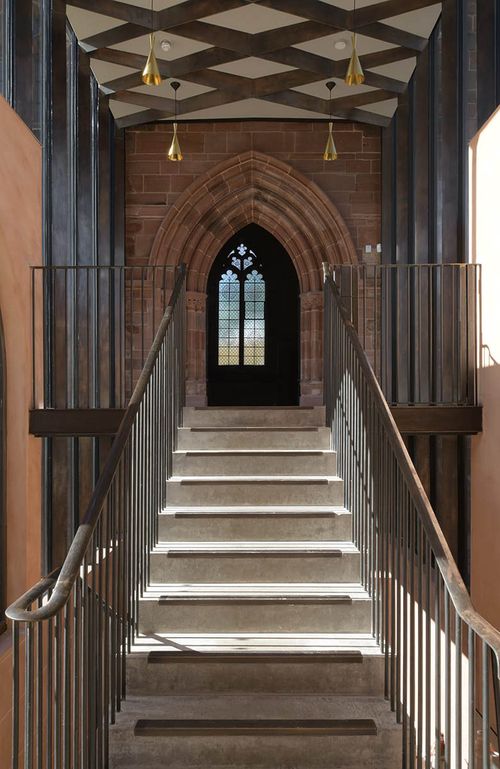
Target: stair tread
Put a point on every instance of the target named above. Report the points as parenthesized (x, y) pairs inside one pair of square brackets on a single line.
[(254, 452), (256, 706), (258, 643), (261, 510), (253, 478), (256, 548), (245, 591), (252, 428), (260, 726)]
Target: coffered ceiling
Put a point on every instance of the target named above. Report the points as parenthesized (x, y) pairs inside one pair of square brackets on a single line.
[(253, 58)]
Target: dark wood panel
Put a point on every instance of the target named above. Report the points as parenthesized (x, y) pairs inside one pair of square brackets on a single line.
[(438, 420), (71, 422)]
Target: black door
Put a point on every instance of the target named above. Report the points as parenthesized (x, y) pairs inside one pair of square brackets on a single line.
[(253, 323)]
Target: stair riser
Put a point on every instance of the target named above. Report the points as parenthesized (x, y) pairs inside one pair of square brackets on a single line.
[(279, 493), (246, 464), (360, 678), (166, 568), (254, 417), (192, 617), (255, 528), (285, 752), (195, 440)]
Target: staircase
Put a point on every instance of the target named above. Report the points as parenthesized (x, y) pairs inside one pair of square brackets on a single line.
[(255, 646)]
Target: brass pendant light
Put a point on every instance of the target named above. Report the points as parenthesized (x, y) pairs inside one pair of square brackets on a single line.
[(174, 152), (354, 74), (330, 152), (151, 72)]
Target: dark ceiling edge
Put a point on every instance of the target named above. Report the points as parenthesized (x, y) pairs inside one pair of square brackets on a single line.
[(123, 122)]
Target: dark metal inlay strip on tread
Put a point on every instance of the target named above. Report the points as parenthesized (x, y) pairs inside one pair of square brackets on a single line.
[(242, 481), (255, 600), (270, 514), (254, 553), (247, 428), (162, 657), (356, 727)]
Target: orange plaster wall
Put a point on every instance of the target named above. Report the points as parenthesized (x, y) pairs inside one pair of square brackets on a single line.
[(20, 246), (485, 249)]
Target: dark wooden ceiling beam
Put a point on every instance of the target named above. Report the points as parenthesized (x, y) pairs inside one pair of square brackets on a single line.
[(388, 8), (339, 19), (114, 36), (303, 101), (121, 11)]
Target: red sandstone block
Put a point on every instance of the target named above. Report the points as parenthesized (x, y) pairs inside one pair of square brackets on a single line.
[(349, 142), (272, 142), (134, 183), (146, 198), (358, 166), (368, 181), (334, 181), (200, 127), (239, 141), (371, 144), (157, 183), (140, 166), (215, 142), (180, 182), (151, 143), (315, 142)]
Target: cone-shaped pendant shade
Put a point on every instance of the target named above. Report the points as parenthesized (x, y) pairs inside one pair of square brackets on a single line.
[(174, 152), (151, 73), (354, 75), (330, 152)]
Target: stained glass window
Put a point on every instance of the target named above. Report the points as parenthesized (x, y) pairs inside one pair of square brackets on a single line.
[(229, 319), (242, 295), (254, 326)]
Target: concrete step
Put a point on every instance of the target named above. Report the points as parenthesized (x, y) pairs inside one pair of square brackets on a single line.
[(209, 524), (255, 490), (261, 731), (255, 462), (256, 608), (273, 663), (245, 438), (255, 562), (252, 416)]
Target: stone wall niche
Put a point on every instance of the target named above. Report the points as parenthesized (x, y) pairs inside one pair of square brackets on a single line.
[(253, 187)]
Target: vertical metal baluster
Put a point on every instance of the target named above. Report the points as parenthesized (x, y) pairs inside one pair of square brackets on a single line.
[(49, 761), (58, 704), (471, 649), (447, 678), (28, 695), (458, 691), (66, 703), (485, 690), (411, 555), (77, 671), (15, 695), (428, 653), (86, 661), (41, 626), (106, 610), (421, 659), (438, 672)]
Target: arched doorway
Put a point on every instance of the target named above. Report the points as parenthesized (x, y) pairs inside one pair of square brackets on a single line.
[(254, 188), (253, 323)]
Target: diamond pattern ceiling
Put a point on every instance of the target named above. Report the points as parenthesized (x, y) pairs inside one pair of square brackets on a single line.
[(253, 58)]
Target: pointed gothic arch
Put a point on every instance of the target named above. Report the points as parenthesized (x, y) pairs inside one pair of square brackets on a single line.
[(255, 188)]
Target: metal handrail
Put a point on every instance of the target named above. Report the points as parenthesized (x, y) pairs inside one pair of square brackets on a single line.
[(68, 573), (441, 655), (458, 592)]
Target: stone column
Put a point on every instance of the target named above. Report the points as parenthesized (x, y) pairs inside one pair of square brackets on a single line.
[(196, 384), (311, 348)]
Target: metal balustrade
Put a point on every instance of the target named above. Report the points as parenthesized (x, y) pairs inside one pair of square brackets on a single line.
[(93, 327), (419, 326), (441, 656), (72, 630)]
